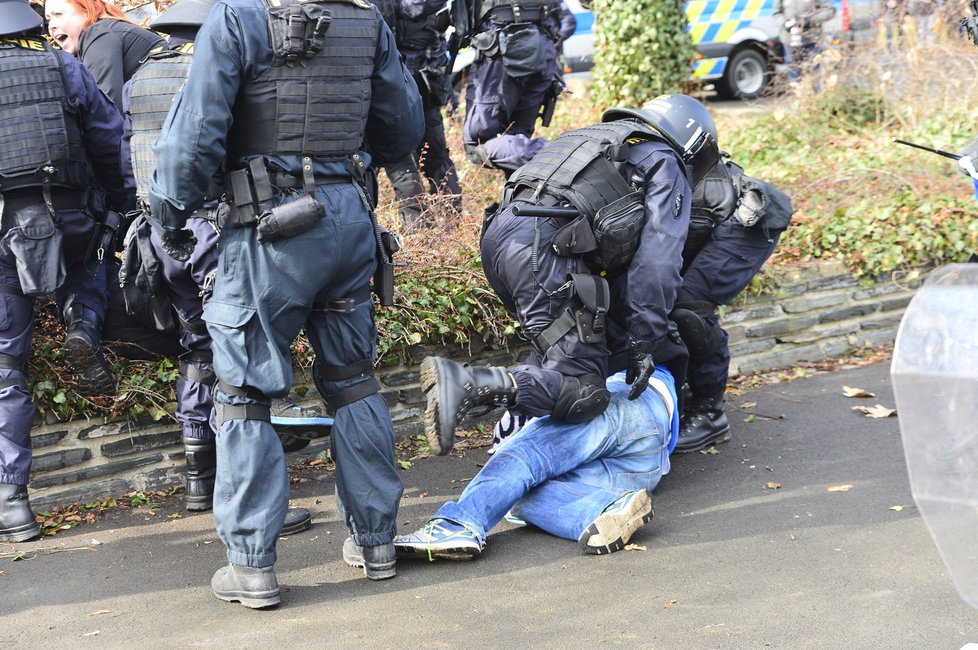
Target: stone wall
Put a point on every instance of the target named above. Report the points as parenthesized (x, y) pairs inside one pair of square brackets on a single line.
[(815, 313)]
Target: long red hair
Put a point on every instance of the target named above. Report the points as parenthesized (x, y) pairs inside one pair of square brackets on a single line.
[(95, 10)]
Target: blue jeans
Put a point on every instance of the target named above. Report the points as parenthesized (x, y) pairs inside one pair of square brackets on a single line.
[(560, 477)]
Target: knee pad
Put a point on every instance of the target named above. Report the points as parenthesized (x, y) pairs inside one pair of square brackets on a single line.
[(580, 401), (701, 336), (257, 410)]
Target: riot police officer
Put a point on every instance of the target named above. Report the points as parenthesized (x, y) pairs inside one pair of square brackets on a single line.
[(586, 252), (51, 242), (513, 81), (735, 225), (297, 249), (419, 30)]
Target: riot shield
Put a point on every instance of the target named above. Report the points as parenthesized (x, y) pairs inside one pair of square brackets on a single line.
[(935, 381)]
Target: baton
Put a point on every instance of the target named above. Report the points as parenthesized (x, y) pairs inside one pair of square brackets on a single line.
[(544, 211), (946, 154)]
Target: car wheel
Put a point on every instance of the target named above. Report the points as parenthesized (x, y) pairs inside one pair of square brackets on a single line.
[(746, 75)]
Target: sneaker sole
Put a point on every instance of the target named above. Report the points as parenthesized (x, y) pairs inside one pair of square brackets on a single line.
[(435, 422), (452, 553), (617, 527), (82, 357)]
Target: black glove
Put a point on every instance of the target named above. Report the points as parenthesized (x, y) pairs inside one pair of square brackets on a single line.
[(178, 243), (640, 368)]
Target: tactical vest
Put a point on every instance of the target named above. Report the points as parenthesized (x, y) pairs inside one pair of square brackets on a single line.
[(314, 99), (583, 169), (153, 88), (40, 137), (515, 11)]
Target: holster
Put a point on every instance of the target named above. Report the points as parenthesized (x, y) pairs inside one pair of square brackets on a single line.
[(35, 240)]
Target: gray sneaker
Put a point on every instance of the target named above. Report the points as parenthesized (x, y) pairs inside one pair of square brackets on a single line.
[(254, 588), (612, 529), (441, 539)]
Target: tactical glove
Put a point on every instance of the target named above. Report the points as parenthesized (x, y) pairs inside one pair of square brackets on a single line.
[(966, 163), (178, 243), (640, 368)]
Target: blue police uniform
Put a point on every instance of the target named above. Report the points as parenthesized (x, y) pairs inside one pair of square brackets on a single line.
[(514, 68), (532, 281), (719, 272), (266, 292), (57, 82)]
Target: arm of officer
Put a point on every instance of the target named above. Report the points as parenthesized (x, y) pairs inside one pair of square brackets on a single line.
[(101, 125), (230, 47), (395, 124), (652, 278)]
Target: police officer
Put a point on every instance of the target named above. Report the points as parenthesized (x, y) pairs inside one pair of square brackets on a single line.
[(50, 240), (586, 252), (183, 286), (419, 30), (736, 224), (512, 81), (298, 249)]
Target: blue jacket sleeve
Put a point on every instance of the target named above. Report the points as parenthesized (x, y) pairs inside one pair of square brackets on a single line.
[(652, 278), (395, 123), (568, 23), (101, 127), (229, 47)]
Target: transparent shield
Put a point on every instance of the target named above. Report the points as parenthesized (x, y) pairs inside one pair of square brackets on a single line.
[(935, 381)]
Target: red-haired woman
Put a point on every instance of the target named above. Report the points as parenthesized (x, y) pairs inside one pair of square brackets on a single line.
[(103, 38)]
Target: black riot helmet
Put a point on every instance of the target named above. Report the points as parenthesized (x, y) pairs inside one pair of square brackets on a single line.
[(183, 13), (685, 124), (17, 17)]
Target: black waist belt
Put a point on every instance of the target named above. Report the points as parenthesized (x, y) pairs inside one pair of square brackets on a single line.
[(61, 199), (289, 181), (8, 362)]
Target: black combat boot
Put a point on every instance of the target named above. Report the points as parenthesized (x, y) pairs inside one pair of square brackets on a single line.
[(201, 470), (83, 352), (704, 424), (453, 389), (17, 520), (379, 561)]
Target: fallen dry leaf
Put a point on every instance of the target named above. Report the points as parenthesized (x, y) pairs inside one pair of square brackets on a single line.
[(878, 411), (849, 391), (771, 485), (99, 612), (670, 603), (636, 547), (839, 488), (748, 405)]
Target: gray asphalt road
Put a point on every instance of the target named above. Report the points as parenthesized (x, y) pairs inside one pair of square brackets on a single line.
[(730, 560)]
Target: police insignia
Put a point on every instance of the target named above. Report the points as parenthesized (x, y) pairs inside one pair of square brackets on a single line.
[(677, 206)]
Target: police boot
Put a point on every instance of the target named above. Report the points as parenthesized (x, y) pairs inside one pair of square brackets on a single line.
[(379, 561), (83, 352), (17, 520), (453, 389), (201, 470), (296, 521), (705, 424)]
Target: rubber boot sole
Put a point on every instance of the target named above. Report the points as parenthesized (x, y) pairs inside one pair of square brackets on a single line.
[(261, 600), (611, 531), (20, 533), (439, 427), (94, 376), (721, 436)]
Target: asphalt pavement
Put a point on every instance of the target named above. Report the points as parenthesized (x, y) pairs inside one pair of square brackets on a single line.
[(799, 533)]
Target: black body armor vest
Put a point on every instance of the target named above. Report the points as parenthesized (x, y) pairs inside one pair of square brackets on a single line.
[(314, 99), (40, 136), (153, 88)]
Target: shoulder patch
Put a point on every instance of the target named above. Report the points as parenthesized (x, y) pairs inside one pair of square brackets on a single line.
[(677, 205)]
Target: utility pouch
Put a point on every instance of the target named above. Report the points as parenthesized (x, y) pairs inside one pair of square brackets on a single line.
[(522, 47), (384, 276), (575, 239), (595, 297), (617, 228), (290, 219), (436, 78), (35, 241), (486, 43)]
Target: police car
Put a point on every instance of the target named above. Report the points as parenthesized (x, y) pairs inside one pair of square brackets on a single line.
[(736, 44)]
